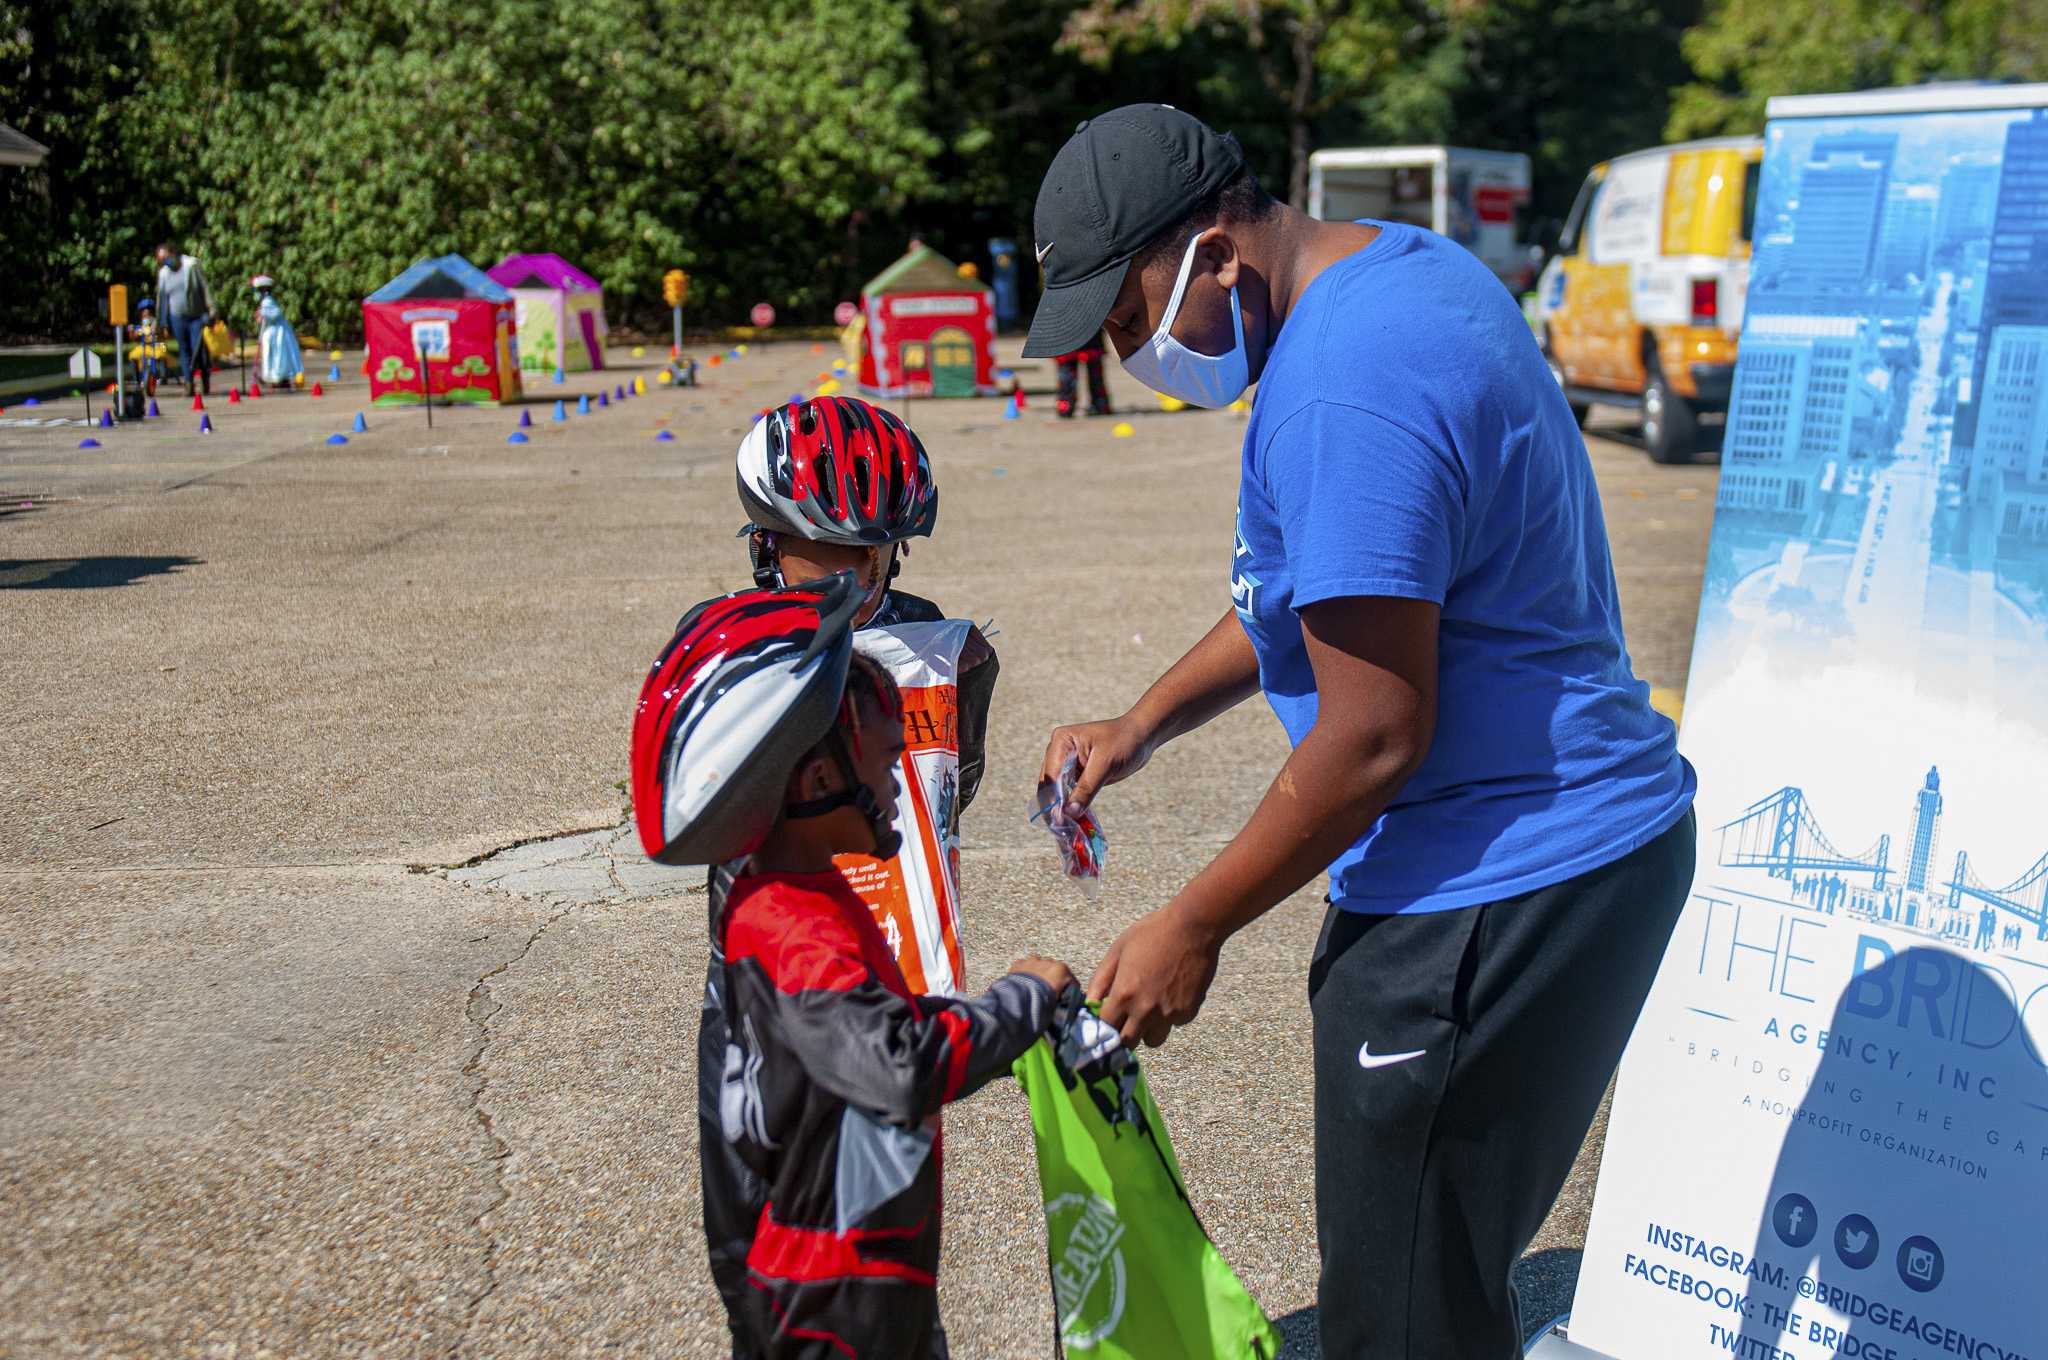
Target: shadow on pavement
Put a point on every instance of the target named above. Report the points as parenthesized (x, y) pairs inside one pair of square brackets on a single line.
[(1544, 1281), (85, 573)]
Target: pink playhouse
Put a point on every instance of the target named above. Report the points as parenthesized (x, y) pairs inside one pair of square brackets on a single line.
[(560, 311)]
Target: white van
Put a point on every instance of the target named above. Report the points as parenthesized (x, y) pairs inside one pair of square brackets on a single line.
[(1477, 198)]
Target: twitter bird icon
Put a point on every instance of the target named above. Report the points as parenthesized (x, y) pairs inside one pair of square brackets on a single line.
[(1856, 1241)]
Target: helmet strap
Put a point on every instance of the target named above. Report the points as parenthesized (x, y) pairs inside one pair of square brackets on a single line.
[(857, 795), (767, 565)]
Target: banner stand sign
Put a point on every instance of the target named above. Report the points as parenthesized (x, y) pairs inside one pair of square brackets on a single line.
[(1830, 1133)]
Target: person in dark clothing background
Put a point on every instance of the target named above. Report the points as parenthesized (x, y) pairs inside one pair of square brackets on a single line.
[(1089, 356)]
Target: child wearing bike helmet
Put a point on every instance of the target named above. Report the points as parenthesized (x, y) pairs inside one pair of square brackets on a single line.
[(763, 742), (837, 484)]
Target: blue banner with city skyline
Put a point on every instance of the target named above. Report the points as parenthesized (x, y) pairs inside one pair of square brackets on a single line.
[(1830, 1135)]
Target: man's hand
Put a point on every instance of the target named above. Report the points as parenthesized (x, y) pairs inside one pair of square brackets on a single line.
[(1155, 977), (1106, 752), (1051, 972)]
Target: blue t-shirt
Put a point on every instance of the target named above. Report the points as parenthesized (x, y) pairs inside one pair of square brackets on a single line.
[(1408, 441)]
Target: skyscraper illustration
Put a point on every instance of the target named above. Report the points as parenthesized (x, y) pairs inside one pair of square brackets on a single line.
[(1926, 830), (1908, 231), (1794, 402), (1969, 198), (2016, 282), (1842, 192)]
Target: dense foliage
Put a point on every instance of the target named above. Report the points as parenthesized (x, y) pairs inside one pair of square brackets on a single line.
[(786, 149)]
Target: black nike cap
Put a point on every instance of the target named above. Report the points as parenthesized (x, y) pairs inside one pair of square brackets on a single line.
[(1120, 180)]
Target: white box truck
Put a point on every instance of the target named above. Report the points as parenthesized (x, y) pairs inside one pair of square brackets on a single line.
[(1477, 198)]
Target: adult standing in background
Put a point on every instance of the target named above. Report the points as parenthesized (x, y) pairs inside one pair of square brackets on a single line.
[(1422, 588), (186, 305)]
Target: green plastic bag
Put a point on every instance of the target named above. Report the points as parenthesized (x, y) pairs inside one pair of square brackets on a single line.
[(1134, 1275)]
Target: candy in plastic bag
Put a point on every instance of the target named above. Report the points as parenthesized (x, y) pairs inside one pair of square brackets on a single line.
[(1080, 839)]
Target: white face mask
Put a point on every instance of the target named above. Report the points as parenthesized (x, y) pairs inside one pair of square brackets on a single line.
[(1170, 368)]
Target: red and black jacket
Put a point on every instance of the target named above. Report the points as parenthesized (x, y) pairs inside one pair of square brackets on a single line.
[(831, 1081)]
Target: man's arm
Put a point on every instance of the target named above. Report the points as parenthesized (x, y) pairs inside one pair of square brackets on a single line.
[(1375, 664), (1218, 673)]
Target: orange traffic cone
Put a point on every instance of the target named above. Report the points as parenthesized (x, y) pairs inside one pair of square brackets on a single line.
[(255, 390), (198, 402), (234, 396), (316, 389)]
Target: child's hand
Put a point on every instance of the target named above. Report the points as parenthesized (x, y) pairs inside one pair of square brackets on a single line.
[(1051, 972)]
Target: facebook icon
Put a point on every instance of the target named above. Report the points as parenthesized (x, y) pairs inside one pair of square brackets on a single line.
[(1794, 1219)]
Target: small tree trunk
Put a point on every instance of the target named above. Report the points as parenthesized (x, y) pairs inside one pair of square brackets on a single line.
[(1307, 38)]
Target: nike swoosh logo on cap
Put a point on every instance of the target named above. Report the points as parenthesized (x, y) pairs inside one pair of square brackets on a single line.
[(1045, 250), (1369, 1059)]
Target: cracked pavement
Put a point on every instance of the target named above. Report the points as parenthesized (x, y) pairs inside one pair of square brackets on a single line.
[(339, 1014)]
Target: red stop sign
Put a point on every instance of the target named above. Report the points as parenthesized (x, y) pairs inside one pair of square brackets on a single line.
[(844, 313), (763, 316)]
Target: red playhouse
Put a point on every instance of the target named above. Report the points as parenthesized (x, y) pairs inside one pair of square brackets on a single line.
[(442, 326), (926, 331)]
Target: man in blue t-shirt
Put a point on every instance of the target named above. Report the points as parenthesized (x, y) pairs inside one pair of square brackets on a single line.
[(1420, 584)]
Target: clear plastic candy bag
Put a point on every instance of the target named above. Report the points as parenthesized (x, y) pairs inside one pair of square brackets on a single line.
[(1082, 843)]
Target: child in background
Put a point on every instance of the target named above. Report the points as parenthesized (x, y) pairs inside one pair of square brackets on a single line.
[(836, 484), (1070, 386), (829, 485), (278, 362), (762, 741), (148, 352)]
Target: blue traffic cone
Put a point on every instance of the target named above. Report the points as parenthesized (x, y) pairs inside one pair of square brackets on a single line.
[(516, 437), (603, 399), (665, 437), (583, 405), (619, 392), (334, 373), (1010, 411), (88, 443), (31, 401), (526, 420), (560, 376), (153, 413), (106, 419), (561, 411), (337, 439), (361, 426), (205, 423)]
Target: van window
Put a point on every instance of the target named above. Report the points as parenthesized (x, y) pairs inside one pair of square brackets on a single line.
[(1568, 239), (1751, 177)]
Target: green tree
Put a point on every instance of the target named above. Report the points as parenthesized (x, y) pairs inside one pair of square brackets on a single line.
[(1524, 83), (1310, 57), (1748, 50), (1569, 81), (72, 76)]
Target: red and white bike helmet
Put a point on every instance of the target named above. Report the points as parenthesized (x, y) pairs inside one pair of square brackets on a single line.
[(837, 470), (748, 684)]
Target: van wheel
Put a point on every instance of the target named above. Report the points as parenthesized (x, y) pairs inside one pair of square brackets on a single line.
[(1670, 432), (1580, 410)]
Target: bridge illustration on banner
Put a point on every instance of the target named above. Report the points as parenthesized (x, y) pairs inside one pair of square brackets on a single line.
[(1781, 835)]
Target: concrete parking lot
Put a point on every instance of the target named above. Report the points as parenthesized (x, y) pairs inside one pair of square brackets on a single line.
[(298, 1063)]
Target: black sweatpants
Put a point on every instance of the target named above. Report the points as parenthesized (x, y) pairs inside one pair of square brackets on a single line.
[(1460, 1057)]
